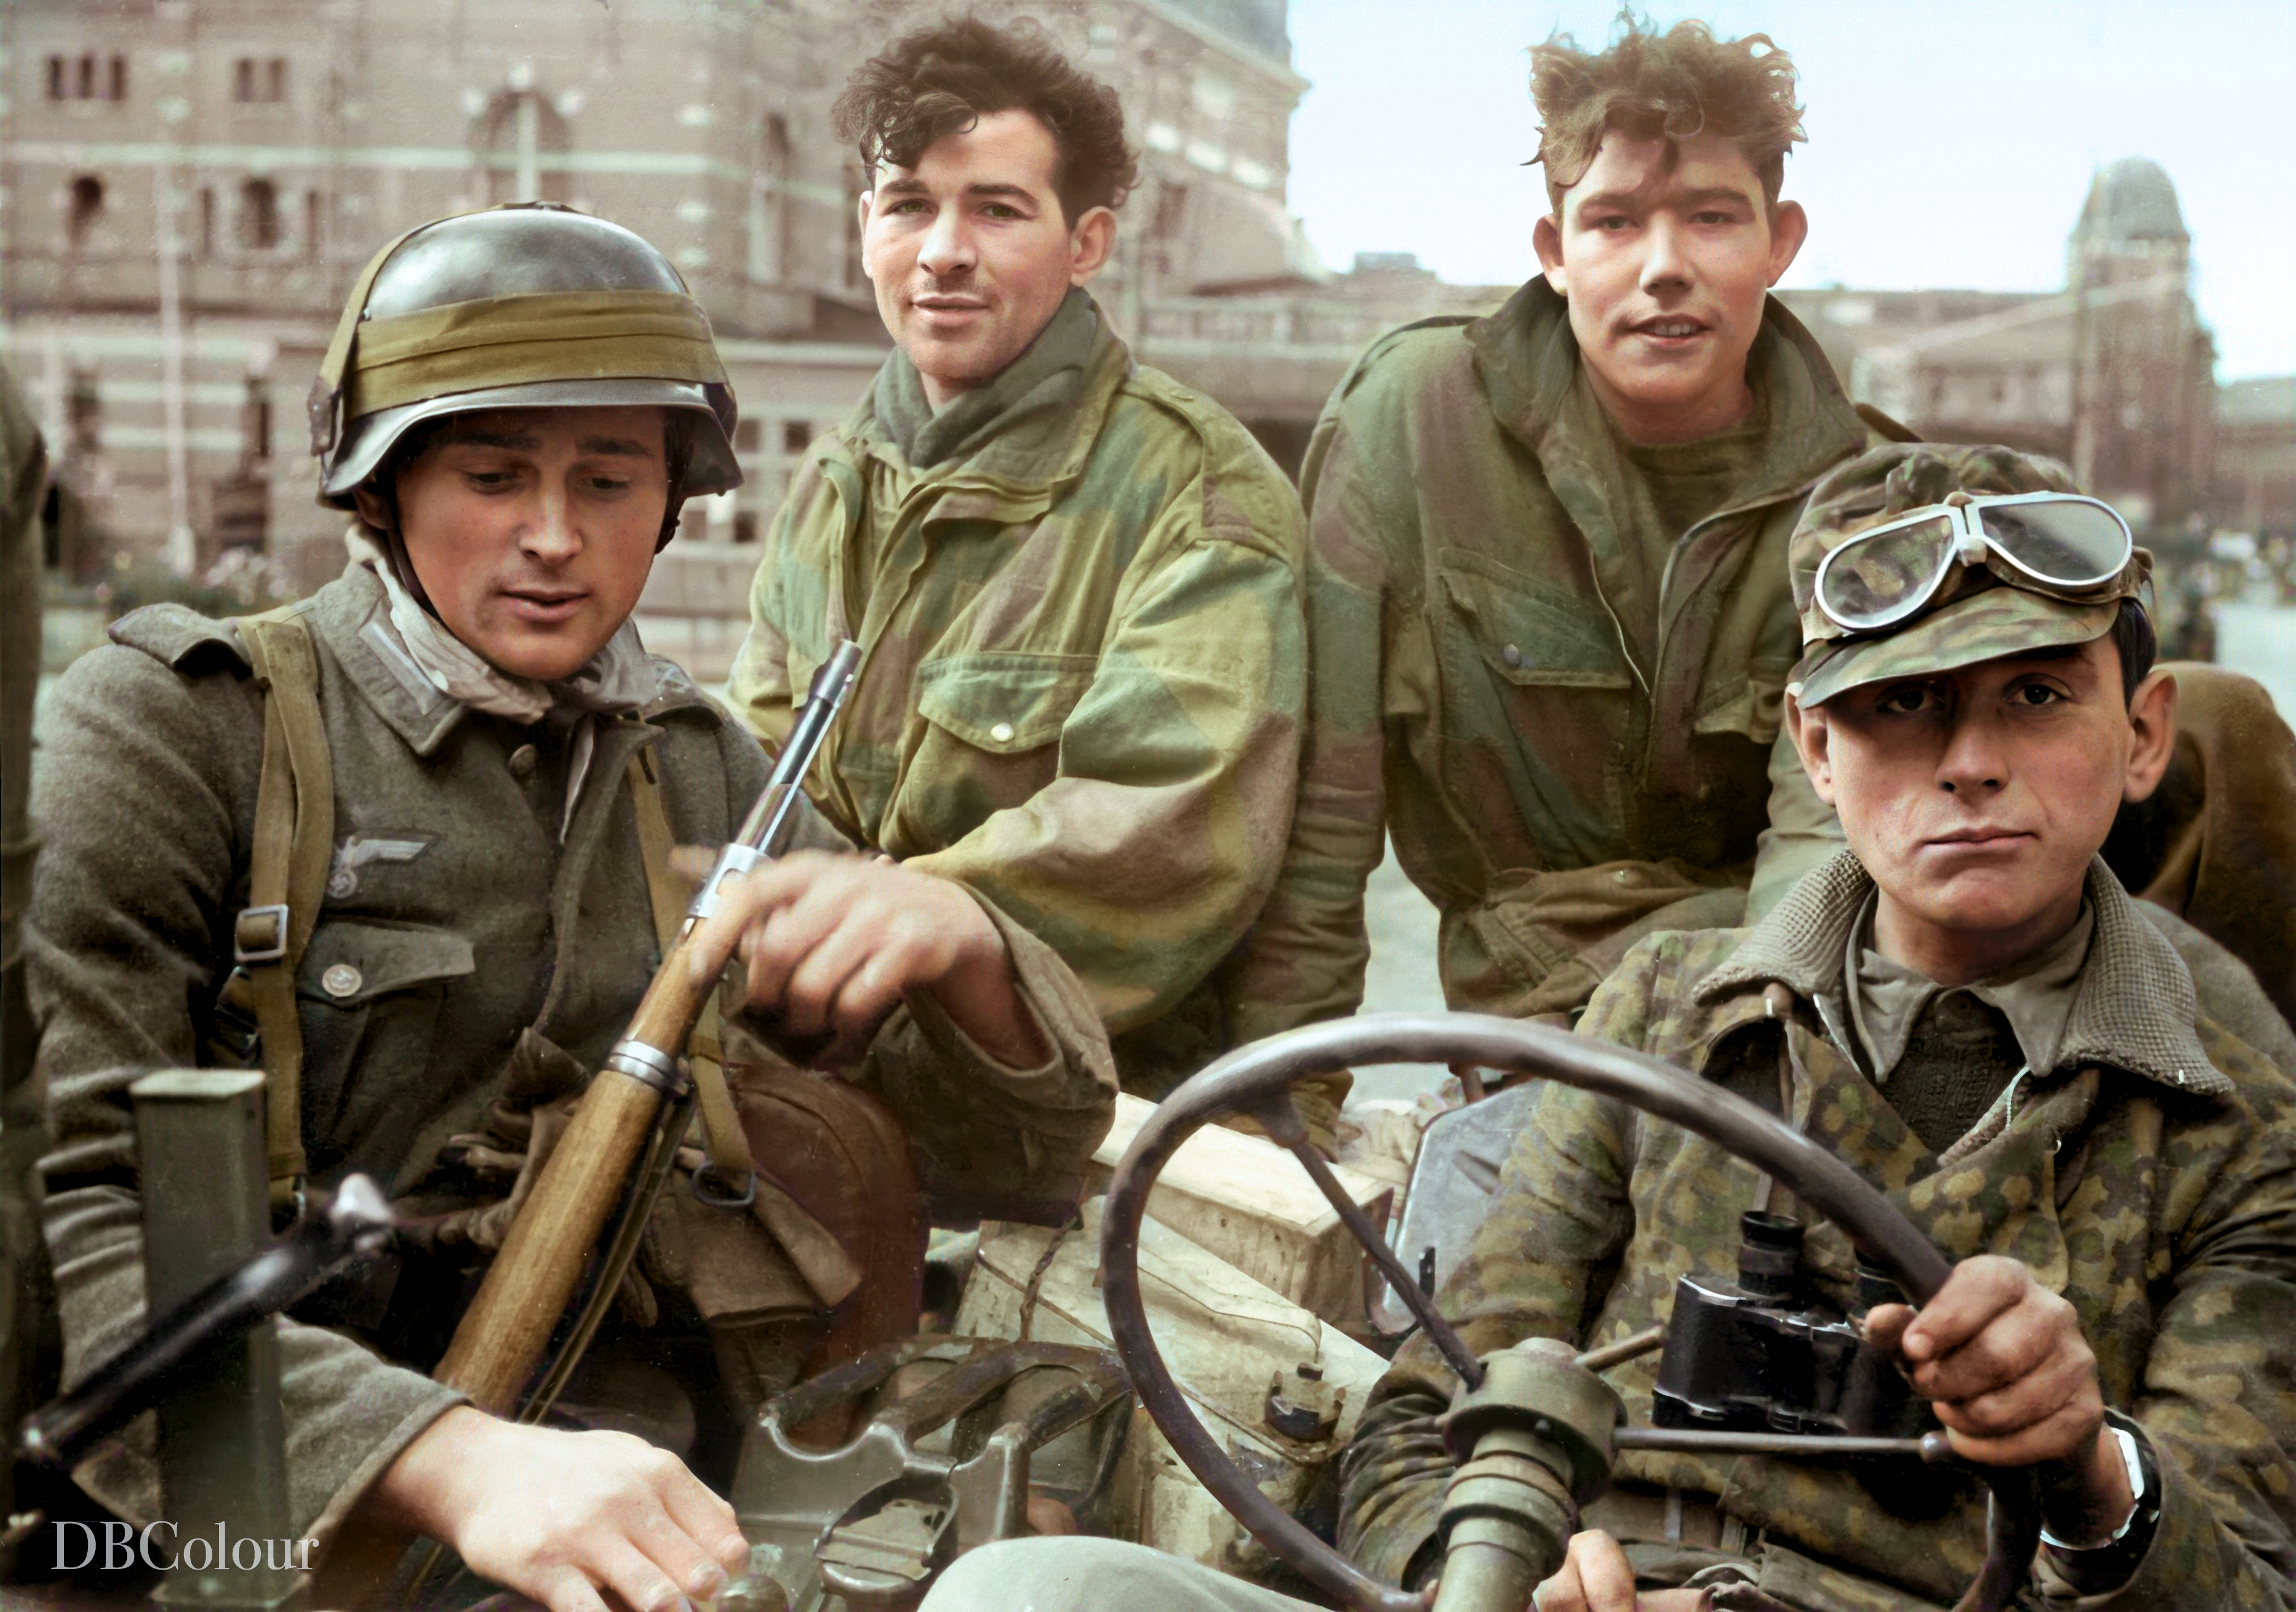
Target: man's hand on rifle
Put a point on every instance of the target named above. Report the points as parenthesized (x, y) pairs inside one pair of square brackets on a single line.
[(832, 944), (564, 1518)]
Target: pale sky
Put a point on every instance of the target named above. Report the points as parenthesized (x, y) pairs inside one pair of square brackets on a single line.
[(1951, 142)]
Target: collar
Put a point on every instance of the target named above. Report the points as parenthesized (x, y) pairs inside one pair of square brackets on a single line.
[(620, 677), (352, 615), (1032, 452), (1886, 999), (2133, 1007), (1528, 362)]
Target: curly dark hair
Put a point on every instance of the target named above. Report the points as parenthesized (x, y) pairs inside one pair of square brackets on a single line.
[(1674, 87), (947, 78)]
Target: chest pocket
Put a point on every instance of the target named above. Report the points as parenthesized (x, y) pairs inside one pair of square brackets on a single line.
[(1527, 632), (370, 994), (992, 723)]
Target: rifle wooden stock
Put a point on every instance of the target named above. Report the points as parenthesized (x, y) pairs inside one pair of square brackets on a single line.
[(532, 1279), (502, 1336)]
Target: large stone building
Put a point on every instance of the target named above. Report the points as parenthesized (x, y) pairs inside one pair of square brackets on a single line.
[(190, 186), (2114, 374), (187, 188)]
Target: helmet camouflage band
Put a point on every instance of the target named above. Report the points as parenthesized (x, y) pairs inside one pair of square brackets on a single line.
[(1978, 614), (529, 305)]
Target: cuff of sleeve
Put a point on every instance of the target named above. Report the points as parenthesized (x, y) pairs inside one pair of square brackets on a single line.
[(1064, 1016), (946, 1037), (2105, 1574)]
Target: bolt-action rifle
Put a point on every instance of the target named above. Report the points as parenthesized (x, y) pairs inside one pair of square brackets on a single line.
[(502, 1335)]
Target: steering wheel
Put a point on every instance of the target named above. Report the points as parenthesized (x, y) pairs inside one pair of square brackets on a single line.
[(1257, 1080)]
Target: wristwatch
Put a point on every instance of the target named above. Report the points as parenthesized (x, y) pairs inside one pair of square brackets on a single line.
[(2096, 1569), (2132, 1458)]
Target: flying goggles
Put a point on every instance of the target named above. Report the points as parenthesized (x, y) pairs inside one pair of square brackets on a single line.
[(2059, 543)]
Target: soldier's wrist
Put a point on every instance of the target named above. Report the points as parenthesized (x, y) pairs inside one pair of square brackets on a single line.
[(2098, 1567), (2088, 1501)]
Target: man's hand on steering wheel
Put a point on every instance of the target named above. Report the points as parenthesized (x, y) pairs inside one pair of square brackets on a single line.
[(2015, 1382)]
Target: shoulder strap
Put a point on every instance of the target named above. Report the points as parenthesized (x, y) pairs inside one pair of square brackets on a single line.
[(287, 872), (721, 1126)]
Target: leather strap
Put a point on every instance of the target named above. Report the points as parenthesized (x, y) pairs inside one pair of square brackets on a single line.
[(721, 1126), (287, 871)]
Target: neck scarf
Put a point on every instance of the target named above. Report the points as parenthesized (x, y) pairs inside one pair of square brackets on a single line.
[(620, 677), (1048, 374)]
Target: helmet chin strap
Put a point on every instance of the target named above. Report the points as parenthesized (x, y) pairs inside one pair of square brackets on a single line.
[(395, 555)]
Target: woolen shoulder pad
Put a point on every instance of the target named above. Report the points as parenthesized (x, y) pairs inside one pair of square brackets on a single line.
[(181, 637)]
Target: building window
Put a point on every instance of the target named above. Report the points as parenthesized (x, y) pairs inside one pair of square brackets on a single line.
[(796, 435), (88, 77), (255, 421), (746, 435), (260, 82), (207, 221), (84, 209), (83, 413), (857, 179), (769, 203), (258, 215)]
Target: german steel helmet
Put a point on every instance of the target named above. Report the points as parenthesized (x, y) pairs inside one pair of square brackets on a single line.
[(528, 306)]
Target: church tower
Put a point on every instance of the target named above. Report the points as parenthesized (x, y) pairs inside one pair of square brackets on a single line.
[(2142, 364)]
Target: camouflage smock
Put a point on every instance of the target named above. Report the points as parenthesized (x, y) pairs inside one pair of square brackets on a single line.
[(2151, 1180), (461, 914), (1084, 681), (1473, 578)]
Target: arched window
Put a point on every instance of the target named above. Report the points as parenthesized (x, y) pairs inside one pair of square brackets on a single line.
[(258, 215), (84, 209)]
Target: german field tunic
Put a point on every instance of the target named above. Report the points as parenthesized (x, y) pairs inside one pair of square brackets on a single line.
[(468, 908)]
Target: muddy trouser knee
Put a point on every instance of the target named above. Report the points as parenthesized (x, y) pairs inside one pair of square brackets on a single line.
[(1078, 1573)]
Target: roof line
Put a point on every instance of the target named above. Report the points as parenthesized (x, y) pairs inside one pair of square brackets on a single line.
[(2036, 312), (1281, 71)]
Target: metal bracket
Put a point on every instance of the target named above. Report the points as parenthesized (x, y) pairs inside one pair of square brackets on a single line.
[(936, 1473)]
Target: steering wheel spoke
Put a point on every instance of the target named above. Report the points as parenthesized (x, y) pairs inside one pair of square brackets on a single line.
[(1257, 1080)]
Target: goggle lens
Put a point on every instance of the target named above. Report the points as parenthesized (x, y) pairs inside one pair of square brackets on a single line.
[(2068, 543), (1872, 581)]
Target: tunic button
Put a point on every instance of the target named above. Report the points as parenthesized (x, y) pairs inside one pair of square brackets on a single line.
[(1002, 732), (522, 761), (1512, 657), (341, 980)]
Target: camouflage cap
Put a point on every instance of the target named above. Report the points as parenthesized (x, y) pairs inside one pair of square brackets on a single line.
[(1980, 612)]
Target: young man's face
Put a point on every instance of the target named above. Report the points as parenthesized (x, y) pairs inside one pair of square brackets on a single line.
[(1665, 269), (1976, 798), (532, 530), (970, 253)]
